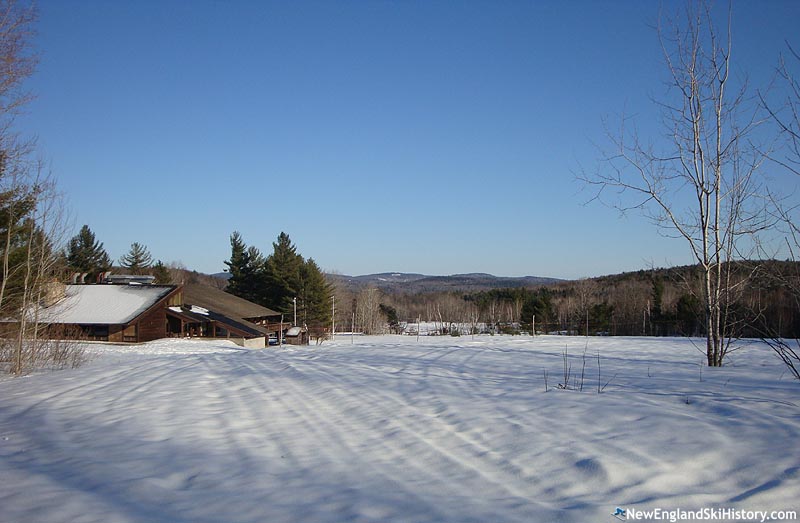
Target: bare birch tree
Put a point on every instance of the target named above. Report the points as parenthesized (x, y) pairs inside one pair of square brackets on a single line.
[(31, 210), (786, 117), (368, 312), (699, 184)]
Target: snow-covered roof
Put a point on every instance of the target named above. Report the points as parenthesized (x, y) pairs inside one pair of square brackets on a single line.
[(103, 304)]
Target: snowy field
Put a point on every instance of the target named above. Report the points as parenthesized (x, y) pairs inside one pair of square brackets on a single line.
[(391, 429)]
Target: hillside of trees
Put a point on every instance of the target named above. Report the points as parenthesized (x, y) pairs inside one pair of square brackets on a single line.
[(392, 282), (657, 302)]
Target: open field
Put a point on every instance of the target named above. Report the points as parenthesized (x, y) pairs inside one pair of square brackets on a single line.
[(393, 429)]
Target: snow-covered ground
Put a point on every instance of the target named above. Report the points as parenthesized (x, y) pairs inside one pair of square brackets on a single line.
[(388, 429)]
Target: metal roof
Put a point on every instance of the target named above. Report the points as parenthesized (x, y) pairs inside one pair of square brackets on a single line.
[(224, 303)]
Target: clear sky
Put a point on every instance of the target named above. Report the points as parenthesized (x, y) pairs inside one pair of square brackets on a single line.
[(427, 136)]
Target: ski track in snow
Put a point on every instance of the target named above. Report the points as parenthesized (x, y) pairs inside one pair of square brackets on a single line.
[(394, 429)]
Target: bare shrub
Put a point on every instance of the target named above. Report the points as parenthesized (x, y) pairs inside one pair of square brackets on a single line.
[(65, 350), (788, 351)]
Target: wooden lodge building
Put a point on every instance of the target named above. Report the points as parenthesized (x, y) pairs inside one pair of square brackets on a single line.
[(131, 312)]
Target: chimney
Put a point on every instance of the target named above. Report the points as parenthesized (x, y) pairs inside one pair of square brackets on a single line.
[(53, 293)]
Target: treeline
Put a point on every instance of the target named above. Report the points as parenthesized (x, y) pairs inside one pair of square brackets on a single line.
[(284, 281), (86, 257), (662, 302)]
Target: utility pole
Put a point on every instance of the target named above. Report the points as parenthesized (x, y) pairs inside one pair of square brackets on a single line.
[(333, 319), (295, 311)]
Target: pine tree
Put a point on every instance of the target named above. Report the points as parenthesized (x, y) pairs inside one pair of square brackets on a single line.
[(161, 273), (282, 272), (276, 281), (315, 296), (138, 259), (237, 265), (85, 254), (246, 271), (16, 206)]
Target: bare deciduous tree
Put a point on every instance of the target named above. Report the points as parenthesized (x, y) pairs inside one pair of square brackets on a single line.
[(43, 229), (786, 116), (700, 184), (31, 211), (368, 312)]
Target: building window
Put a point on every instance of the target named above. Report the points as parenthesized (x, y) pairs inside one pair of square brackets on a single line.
[(96, 332)]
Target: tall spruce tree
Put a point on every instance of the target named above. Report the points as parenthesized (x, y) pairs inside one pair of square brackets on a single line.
[(138, 259), (283, 275), (246, 271), (315, 296), (237, 265), (86, 254)]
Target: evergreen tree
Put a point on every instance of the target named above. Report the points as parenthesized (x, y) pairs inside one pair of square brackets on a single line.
[(539, 304), (137, 260), (257, 285), (688, 312), (246, 271), (16, 208), (279, 279), (656, 313), (282, 275), (601, 316), (85, 254), (315, 296), (391, 317), (161, 273), (237, 265)]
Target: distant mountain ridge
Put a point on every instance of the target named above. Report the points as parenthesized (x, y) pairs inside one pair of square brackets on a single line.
[(397, 282)]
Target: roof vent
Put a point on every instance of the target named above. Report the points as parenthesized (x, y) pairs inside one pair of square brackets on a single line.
[(129, 279)]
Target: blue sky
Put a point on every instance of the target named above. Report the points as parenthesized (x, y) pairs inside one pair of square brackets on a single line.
[(381, 135)]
